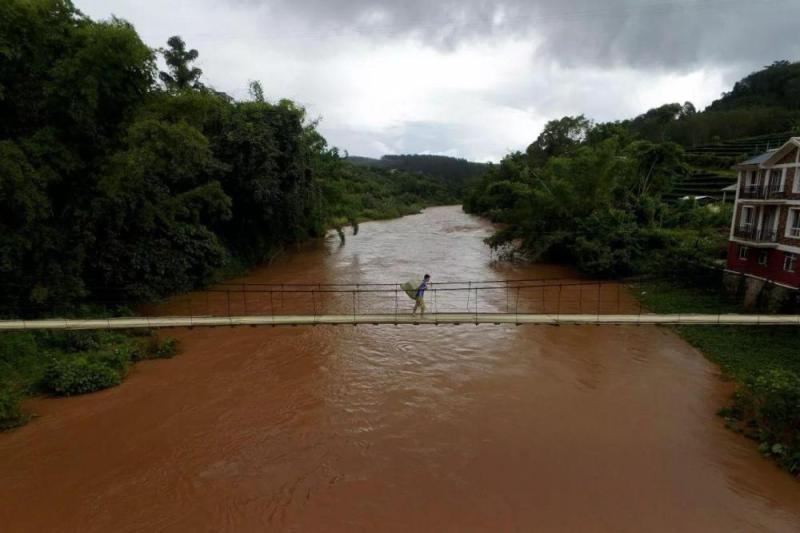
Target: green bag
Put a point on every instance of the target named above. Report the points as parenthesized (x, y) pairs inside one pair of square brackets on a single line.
[(410, 288)]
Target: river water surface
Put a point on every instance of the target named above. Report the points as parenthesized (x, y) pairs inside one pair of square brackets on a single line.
[(411, 428)]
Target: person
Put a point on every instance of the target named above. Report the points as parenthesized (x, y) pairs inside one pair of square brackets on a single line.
[(419, 297)]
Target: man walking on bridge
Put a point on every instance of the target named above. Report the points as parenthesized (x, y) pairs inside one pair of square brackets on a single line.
[(419, 296)]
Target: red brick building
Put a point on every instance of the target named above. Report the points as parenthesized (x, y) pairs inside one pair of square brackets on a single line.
[(765, 230)]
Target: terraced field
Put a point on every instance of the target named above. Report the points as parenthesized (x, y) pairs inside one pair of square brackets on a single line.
[(703, 183), (712, 164), (727, 153)]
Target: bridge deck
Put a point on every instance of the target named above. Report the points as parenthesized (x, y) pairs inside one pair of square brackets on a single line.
[(399, 319)]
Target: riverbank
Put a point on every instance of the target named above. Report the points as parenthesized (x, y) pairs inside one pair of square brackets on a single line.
[(68, 363), (764, 362)]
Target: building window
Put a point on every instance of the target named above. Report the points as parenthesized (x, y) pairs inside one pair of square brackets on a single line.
[(762, 258), (776, 179), (743, 251), (789, 261), (748, 216), (793, 227)]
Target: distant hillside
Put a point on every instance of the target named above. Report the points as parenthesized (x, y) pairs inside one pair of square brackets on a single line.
[(778, 85), (366, 161), (457, 174), (761, 104)]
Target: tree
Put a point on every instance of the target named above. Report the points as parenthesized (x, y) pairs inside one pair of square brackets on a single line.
[(257, 91), (558, 138), (269, 176), (656, 167), (155, 216), (181, 75)]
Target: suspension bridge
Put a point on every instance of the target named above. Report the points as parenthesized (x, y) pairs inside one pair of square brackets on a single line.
[(510, 302)]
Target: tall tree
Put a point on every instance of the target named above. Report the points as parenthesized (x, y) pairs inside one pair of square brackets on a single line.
[(558, 138), (181, 75)]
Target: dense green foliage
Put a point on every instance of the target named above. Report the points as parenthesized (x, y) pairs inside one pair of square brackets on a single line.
[(606, 197), (592, 196), (765, 361), (79, 375), (113, 187)]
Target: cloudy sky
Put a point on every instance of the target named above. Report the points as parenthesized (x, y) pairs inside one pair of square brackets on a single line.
[(468, 78)]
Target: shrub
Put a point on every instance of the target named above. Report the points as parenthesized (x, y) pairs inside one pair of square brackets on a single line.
[(10, 407), (117, 357), (155, 348), (20, 361), (770, 403), (166, 348), (71, 341), (79, 375)]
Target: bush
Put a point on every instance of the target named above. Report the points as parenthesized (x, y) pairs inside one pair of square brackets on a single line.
[(10, 407), (166, 348), (71, 341), (79, 375), (770, 403), (118, 357), (155, 348), (20, 361)]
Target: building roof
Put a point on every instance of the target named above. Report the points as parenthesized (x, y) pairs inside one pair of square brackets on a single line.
[(781, 152), (772, 156), (757, 160)]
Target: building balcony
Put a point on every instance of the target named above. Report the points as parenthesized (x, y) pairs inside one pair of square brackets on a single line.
[(762, 192), (749, 233)]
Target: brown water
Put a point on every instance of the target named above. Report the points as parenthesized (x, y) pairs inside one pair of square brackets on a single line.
[(426, 428)]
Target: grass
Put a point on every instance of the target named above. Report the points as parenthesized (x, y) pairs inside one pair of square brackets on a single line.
[(741, 351), (765, 362)]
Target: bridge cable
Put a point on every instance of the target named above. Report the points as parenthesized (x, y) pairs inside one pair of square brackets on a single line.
[(558, 304), (476, 306)]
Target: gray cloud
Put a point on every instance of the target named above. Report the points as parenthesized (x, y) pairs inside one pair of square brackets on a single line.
[(637, 33), (473, 78)]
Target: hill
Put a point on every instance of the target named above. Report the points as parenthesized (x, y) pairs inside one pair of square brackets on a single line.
[(456, 174), (761, 104), (777, 85)]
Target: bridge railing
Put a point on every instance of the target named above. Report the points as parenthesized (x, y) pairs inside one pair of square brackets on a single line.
[(551, 296)]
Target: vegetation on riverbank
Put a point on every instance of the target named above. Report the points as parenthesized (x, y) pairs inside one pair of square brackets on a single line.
[(68, 363), (765, 362), (120, 184), (606, 198), (593, 198), (603, 196)]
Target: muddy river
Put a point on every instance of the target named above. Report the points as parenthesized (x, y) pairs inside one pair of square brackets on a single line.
[(410, 428)]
